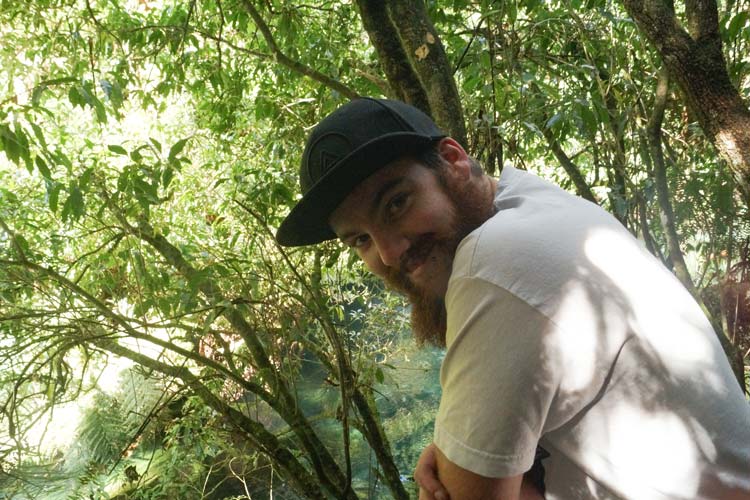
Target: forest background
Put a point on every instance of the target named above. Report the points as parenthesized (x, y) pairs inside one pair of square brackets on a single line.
[(155, 342)]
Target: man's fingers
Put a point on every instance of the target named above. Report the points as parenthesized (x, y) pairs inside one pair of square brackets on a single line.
[(425, 474), (426, 495)]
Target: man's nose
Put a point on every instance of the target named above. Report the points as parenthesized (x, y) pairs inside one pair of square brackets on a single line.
[(390, 249)]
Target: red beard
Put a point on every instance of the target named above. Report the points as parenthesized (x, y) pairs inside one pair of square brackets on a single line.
[(428, 313)]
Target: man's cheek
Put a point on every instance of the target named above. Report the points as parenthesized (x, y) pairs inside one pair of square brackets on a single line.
[(376, 267)]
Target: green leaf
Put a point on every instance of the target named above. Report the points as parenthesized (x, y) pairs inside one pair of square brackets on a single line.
[(724, 198), (198, 278), (75, 97), (62, 159), (144, 191), (41, 165), (73, 207), (101, 114), (588, 118), (177, 148), (36, 95), (39, 135), (533, 128), (53, 194), (116, 97), (10, 143), (737, 23), (379, 375), (166, 177), (123, 180), (23, 144), (117, 149), (22, 243), (512, 12), (552, 121), (85, 179)]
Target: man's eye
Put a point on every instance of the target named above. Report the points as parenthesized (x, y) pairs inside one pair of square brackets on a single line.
[(359, 241), (396, 204)]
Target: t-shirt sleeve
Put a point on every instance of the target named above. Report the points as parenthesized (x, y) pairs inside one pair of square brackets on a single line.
[(498, 379)]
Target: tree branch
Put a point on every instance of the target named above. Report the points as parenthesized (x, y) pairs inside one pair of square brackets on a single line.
[(404, 83), (427, 57), (258, 434), (699, 68), (13, 240), (703, 21), (283, 401), (582, 187), (284, 60), (666, 214)]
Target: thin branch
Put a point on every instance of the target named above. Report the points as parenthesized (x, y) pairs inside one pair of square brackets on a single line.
[(185, 25), (474, 34), (284, 60), (254, 431), (14, 240), (703, 21)]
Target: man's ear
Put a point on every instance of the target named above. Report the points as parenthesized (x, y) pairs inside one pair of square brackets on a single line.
[(452, 152)]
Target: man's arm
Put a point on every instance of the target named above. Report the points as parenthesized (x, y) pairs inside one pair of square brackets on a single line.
[(464, 484)]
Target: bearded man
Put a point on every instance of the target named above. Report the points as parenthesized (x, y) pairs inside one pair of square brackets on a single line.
[(566, 341)]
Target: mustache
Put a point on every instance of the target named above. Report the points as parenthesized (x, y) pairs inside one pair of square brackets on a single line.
[(398, 277), (417, 252)]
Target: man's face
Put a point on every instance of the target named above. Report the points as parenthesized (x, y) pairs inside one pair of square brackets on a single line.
[(405, 222)]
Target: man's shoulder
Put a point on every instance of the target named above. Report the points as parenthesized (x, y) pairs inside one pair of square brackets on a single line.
[(535, 242), (535, 224)]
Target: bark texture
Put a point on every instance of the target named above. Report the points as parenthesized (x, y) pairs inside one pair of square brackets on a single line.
[(694, 59), (414, 60), (404, 83)]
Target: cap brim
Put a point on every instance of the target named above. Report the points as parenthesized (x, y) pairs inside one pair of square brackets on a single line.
[(307, 223)]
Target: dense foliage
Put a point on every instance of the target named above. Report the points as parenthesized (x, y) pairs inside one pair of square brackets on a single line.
[(157, 343)]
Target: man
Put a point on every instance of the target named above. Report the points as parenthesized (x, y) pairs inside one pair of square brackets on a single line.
[(561, 331)]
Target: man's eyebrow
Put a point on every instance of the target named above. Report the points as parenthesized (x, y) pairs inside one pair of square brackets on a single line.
[(384, 189), (377, 199)]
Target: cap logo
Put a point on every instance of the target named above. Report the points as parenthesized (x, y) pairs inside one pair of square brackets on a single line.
[(327, 160), (329, 150)]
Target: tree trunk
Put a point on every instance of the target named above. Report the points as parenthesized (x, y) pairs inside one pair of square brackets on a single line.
[(414, 60), (404, 83), (694, 59), (666, 215)]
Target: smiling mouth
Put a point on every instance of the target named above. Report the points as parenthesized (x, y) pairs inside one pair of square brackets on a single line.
[(418, 254), (413, 265)]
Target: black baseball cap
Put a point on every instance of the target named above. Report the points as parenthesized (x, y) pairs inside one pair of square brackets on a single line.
[(344, 149)]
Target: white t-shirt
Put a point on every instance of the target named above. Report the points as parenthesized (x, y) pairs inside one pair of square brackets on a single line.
[(564, 331)]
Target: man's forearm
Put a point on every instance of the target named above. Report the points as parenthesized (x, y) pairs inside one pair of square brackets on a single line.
[(463, 484)]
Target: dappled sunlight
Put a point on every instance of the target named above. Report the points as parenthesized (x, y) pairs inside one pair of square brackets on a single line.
[(58, 430), (156, 342), (731, 149), (580, 348), (607, 250), (637, 353), (639, 462)]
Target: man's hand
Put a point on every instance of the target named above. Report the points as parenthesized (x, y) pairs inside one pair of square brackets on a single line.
[(426, 476), (466, 483)]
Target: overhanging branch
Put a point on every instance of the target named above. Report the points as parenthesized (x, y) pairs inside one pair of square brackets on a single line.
[(285, 60)]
